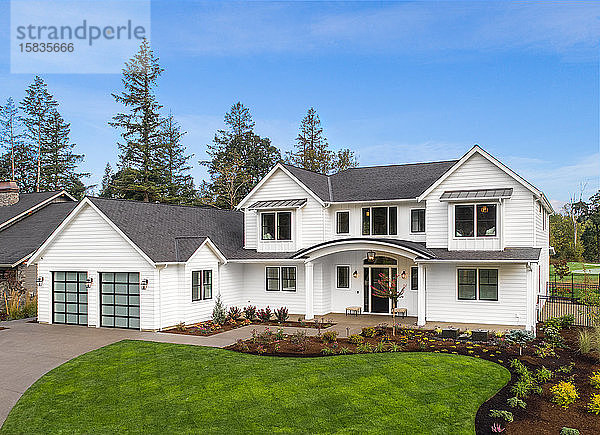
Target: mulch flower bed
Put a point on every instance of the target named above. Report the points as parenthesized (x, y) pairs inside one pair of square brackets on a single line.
[(540, 416), (209, 328)]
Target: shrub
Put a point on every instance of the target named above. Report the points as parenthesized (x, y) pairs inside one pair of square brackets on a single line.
[(180, 326), (520, 337), (593, 405), (560, 322), (327, 351), (343, 351), (368, 332), (219, 315), (566, 369), (279, 335), (514, 402), (393, 347), (380, 347), (281, 314), (299, 339), (234, 313), (545, 350), (500, 413), (355, 339), (552, 336), (543, 374), (520, 389), (564, 393), (364, 348), (586, 341), (569, 431), (264, 315), (329, 337), (595, 379), (250, 312)]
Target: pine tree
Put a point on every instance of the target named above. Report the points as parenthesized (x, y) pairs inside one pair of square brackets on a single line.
[(11, 142), (59, 163), (139, 160), (312, 150), (37, 107), (107, 186), (239, 158), (179, 184)]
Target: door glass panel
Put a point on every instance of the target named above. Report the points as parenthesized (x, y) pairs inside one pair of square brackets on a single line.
[(367, 289), (72, 318), (378, 304), (134, 311), (72, 276), (121, 311), (121, 277), (121, 322), (134, 323), (59, 318), (71, 297), (69, 287), (83, 319), (120, 299)]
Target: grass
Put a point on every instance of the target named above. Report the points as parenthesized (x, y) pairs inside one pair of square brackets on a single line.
[(145, 387)]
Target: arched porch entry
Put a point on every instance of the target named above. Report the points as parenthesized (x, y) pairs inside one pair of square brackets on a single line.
[(360, 262)]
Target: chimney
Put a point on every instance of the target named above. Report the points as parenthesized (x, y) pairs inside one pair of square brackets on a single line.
[(9, 193)]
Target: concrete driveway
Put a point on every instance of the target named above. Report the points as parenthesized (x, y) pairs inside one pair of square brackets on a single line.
[(29, 350)]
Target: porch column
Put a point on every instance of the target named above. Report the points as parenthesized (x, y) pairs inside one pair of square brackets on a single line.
[(309, 286), (421, 296)]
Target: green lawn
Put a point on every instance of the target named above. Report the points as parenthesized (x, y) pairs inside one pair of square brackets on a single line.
[(146, 387)]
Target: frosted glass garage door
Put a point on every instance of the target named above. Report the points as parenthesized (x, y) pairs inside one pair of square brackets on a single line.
[(70, 298), (120, 299)]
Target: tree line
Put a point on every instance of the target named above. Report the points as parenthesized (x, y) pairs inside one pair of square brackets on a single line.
[(35, 149), (575, 231)]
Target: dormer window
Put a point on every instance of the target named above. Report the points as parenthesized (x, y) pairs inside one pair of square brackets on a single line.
[(480, 217), (276, 225)]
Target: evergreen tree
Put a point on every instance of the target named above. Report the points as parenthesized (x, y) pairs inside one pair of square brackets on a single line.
[(179, 184), (11, 142), (591, 234), (37, 106), (239, 158), (312, 150), (107, 186), (58, 169), (140, 153)]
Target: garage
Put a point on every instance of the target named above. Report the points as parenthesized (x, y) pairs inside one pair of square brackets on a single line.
[(120, 299), (70, 298)]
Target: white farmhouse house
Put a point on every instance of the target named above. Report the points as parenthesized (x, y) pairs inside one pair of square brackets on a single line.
[(468, 238)]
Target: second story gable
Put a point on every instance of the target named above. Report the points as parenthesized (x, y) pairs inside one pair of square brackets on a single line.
[(475, 203)]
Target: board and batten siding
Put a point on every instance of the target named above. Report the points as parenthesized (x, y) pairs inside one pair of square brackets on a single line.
[(442, 302), (307, 222), (515, 221), (89, 244)]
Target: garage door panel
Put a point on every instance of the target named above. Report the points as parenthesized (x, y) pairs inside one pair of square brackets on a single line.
[(69, 293), (120, 299)]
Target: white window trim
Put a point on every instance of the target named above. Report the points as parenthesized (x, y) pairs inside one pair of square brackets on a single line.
[(410, 279), (349, 277), (475, 236), (410, 221), (370, 207), (280, 280), (476, 300), (276, 212), (336, 222)]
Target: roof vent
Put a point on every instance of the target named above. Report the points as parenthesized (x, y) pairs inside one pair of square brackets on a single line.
[(9, 193)]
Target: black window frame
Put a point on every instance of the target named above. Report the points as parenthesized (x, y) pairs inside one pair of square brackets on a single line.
[(281, 277), (338, 223), (338, 268), (477, 231), (479, 277), (277, 226), (417, 215), (414, 278), (478, 219), (204, 281), (467, 220), (391, 220)]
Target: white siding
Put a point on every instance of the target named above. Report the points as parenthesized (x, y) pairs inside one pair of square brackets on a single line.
[(442, 302), (89, 244), (477, 173), (196, 311)]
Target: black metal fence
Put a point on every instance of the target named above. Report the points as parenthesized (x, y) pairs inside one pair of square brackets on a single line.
[(556, 306), (572, 285)]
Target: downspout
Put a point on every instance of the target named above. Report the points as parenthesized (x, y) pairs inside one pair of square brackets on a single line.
[(164, 266)]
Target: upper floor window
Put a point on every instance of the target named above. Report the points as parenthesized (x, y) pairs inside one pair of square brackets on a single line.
[(474, 219), (342, 222), (379, 221), (276, 226), (417, 220)]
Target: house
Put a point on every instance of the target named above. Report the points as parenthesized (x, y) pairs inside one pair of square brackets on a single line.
[(467, 238), (26, 221)]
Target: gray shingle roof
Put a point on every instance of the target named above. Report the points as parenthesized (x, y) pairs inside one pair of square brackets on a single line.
[(26, 201), (373, 183), (24, 237), (508, 254), (414, 246)]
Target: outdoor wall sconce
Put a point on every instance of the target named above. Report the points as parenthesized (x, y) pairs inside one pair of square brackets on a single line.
[(145, 284), (371, 256), (39, 280), (355, 274), (89, 282), (403, 274)]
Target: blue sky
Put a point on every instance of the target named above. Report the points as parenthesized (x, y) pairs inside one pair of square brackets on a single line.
[(397, 82)]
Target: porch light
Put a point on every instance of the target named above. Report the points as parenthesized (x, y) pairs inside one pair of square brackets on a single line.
[(89, 282), (355, 274), (144, 284), (371, 256), (403, 274), (39, 280)]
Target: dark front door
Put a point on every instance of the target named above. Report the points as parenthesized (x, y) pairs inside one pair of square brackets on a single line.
[(378, 304)]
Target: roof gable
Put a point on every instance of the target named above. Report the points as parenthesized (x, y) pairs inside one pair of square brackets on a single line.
[(28, 203)]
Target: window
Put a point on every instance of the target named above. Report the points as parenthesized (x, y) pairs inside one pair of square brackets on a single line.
[(479, 284), (469, 217), (342, 224), (281, 279), (343, 277), (379, 221), (282, 221), (414, 278), (201, 285), (417, 221)]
